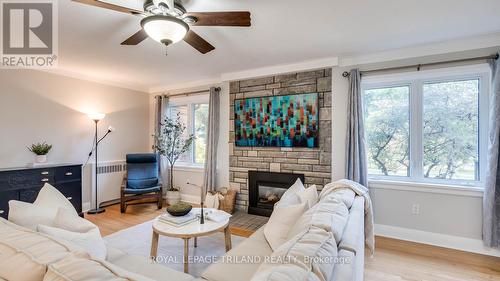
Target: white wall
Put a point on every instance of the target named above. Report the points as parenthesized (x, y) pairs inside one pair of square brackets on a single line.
[(38, 106)]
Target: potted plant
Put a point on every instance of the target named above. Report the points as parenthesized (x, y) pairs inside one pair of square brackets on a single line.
[(171, 142), (40, 150)]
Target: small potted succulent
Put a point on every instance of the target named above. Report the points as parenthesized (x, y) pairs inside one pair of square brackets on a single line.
[(40, 150)]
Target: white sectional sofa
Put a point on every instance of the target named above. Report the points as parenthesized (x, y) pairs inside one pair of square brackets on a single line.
[(333, 228)]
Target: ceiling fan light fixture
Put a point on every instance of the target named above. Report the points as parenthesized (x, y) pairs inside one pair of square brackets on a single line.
[(165, 29)]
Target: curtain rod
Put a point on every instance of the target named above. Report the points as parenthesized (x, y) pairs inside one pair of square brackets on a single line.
[(191, 93), (419, 66)]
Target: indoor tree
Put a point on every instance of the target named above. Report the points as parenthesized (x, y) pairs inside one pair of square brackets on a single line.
[(172, 142)]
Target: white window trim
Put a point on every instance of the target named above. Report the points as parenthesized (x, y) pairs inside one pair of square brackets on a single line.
[(190, 101), (415, 80)]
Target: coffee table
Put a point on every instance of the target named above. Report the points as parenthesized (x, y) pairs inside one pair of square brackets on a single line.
[(186, 232)]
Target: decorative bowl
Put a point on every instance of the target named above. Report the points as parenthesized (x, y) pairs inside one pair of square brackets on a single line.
[(179, 209)]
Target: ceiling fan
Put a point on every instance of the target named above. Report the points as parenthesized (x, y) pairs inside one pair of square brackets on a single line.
[(168, 22)]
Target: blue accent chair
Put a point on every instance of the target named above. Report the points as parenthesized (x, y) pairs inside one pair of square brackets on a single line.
[(142, 181)]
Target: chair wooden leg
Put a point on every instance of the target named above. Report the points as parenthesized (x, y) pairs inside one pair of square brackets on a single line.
[(123, 206), (160, 201)]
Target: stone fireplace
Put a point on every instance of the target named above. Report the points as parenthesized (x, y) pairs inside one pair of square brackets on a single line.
[(266, 188), (313, 163)]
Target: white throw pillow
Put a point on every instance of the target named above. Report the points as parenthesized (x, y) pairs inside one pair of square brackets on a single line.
[(280, 222), (309, 196), (290, 197), (42, 211), (29, 215), (50, 197), (65, 219), (90, 241)]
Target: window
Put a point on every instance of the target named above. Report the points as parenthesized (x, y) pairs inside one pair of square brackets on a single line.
[(427, 126), (194, 114)]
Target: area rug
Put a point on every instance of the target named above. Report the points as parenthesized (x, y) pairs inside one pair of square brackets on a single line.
[(136, 240)]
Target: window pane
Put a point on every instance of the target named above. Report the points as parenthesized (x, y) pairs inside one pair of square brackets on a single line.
[(182, 110), (387, 124), (450, 127), (200, 129)]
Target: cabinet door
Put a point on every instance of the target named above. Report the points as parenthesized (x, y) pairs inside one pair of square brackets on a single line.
[(29, 195), (73, 192), (5, 197)]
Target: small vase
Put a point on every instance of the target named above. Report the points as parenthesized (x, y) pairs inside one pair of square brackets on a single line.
[(173, 197), (40, 158)]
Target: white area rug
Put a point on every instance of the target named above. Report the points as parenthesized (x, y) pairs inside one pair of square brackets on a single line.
[(136, 240)]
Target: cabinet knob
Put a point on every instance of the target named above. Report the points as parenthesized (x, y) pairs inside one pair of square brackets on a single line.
[(69, 174), (45, 180), (69, 198), (2, 211), (45, 173)]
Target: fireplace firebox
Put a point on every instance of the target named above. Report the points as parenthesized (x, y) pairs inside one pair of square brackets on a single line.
[(266, 188)]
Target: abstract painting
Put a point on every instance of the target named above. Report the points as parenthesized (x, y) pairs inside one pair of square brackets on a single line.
[(277, 121)]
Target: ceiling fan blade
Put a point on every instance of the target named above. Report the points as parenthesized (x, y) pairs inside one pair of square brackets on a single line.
[(137, 38), (198, 43), (101, 4), (221, 19)]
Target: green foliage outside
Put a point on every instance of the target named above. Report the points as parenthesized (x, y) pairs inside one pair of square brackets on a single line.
[(200, 130), (450, 130)]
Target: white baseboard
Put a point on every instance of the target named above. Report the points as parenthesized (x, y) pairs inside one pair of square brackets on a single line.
[(193, 199), (436, 239), (86, 206)]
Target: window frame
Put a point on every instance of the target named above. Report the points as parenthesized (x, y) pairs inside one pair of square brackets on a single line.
[(190, 102), (416, 80)]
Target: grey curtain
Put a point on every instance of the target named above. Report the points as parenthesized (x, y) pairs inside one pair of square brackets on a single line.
[(212, 141), (161, 106), (356, 161), (491, 199)]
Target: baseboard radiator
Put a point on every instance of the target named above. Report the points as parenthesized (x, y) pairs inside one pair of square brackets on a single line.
[(109, 176)]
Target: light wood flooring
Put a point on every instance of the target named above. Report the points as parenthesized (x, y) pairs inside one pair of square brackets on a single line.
[(393, 260)]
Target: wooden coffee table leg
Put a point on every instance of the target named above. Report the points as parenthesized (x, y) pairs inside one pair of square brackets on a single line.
[(196, 242), (154, 245), (186, 253), (227, 235)]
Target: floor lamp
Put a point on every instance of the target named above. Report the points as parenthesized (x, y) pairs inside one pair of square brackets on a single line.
[(97, 117)]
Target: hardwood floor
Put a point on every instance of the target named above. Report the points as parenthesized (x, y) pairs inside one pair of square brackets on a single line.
[(394, 259)]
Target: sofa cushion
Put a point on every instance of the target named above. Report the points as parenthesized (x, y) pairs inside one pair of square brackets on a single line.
[(281, 221), (313, 250), (330, 215), (346, 268), (354, 231), (254, 246), (142, 266), (288, 272), (74, 268), (50, 197), (29, 252), (90, 241)]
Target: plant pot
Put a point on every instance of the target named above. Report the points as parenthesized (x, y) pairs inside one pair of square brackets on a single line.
[(40, 158), (173, 197)]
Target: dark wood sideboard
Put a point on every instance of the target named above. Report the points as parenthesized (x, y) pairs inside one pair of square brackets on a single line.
[(23, 184)]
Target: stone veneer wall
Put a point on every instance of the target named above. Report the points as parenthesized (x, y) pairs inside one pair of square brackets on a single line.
[(314, 163)]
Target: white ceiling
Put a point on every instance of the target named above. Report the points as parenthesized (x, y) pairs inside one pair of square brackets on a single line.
[(283, 31)]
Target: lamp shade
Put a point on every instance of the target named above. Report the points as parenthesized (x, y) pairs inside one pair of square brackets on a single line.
[(165, 29), (96, 116)]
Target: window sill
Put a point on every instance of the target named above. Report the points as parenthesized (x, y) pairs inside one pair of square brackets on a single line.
[(189, 168), (470, 191)]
